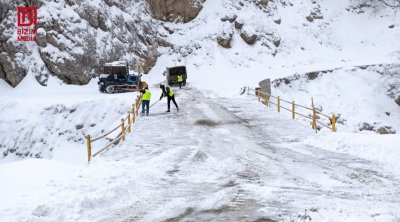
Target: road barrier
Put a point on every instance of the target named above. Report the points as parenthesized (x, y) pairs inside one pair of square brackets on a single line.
[(313, 114), (130, 119)]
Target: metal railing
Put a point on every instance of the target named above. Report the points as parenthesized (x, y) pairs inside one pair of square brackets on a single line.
[(312, 114)]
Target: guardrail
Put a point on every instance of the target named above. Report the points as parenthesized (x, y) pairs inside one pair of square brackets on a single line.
[(130, 119), (313, 114)]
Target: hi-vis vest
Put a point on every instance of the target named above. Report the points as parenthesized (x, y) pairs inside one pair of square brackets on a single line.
[(146, 95), (180, 78), (170, 91)]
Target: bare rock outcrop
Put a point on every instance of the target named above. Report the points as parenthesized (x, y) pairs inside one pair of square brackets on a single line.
[(173, 10), (75, 38), (11, 62)]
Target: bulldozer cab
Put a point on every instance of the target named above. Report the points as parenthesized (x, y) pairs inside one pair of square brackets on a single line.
[(133, 78), (116, 68), (172, 74)]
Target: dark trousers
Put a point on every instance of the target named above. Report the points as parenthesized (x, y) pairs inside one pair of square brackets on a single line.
[(169, 98), (145, 103), (180, 85)]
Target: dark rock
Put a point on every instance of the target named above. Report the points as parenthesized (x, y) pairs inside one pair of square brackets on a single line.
[(238, 24), (170, 10), (163, 43), (79, 126), (277, 42), (248, 38), (386, 130), (367, 127), (278, 21), (391, 26), (11, 70), (41, 37), (231, 18), (310, 18), (170, 31), (225, 40), (397, 100), (312, 75)]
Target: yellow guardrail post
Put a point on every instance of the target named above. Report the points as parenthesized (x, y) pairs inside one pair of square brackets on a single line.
[(279, 104), (89, 148), (129, 122), (314, 119), (258, 97), (293, 110), (333, 122), (267, 100), (137, 105), (123, 129), (133, 114)]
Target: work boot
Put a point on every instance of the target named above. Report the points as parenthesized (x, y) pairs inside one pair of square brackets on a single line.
[(168, 111)]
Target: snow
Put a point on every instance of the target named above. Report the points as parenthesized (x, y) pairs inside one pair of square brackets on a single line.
[(380, 148), (223, 156)]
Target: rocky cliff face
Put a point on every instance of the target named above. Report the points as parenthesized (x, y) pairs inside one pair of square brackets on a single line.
[(175, 10), (75, 38)]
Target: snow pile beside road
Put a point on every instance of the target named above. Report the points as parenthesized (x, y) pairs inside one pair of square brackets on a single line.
[(359, 96), (54, 121)]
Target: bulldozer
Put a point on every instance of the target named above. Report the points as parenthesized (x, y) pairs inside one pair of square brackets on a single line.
[(116, 78)]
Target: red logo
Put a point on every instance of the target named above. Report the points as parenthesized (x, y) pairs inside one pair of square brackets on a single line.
[(27, 16)]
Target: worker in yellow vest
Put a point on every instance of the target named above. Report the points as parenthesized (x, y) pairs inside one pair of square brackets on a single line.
[(180, 80), (145, 100), (167, 91)]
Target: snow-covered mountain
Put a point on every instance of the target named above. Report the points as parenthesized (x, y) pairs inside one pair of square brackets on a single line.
[(223, 156), (292, 35)]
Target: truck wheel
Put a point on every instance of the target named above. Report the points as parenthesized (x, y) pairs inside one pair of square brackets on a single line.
[(110, 89)]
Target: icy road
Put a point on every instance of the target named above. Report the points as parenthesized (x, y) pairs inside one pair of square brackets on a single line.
[(235, 160), (217, 159)]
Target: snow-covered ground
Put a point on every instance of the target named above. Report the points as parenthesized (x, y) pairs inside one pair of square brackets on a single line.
[(216, 159)]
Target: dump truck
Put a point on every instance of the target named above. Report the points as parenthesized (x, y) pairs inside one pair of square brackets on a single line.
[(172, 74), (117, 79)]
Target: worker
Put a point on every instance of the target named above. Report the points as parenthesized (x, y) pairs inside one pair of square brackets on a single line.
[(145, 100), (180, 80), (167, 91)]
